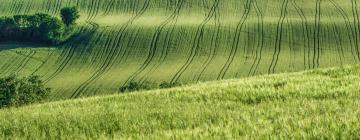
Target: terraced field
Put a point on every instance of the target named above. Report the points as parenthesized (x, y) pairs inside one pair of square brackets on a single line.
[(119, 41)]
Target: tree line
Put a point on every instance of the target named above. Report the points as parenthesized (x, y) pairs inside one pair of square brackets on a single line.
[(39, 28)]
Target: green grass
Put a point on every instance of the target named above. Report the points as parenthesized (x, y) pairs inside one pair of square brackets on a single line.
[(184, 41), (318, 104)]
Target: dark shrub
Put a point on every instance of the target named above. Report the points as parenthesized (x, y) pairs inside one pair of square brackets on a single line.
[(39, 28), (69, 15), (136, 86), (17, 92), (169, 84)]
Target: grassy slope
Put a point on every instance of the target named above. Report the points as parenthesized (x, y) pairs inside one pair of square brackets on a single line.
[(312, 104), (184, 40)]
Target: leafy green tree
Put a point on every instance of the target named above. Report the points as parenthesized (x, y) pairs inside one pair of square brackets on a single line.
[(17, 92), (52, 30), (69, 15), (7, 28)]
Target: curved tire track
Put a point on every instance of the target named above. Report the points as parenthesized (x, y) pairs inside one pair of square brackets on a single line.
[(114, 52), (236, 40), (279, 37), (196, 44), (261, 35)]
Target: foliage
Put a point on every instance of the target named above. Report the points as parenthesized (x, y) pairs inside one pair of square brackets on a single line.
[(136, 86), (38, 28), (169, 84), (16, 92), (69, 15)]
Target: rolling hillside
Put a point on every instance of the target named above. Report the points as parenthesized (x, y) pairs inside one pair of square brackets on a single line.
[(185, 41), (320, 104)]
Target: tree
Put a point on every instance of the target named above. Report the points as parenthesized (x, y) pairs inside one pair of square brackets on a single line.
[(16, 92), (52, 30), (69, 15)]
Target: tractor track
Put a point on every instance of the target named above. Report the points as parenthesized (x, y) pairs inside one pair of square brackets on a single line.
[(260, 44), (113, 53), (48, 6), (57, 6), (123, 56), (279, 37), (28, 6), (197, 40), (155, 41), (316, 60), (305, 24), (356, 25), (43, 63), (69, 51), (340, 50), (108, 7), (26, 61), (236, 40), (350, 33), (95, 9), (214, 47), (166, 44), (13, 7)]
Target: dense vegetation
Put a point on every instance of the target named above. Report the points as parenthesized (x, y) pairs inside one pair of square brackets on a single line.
[(320, 104), (38, 28), (16, 92), (136, 86), (185, 41)]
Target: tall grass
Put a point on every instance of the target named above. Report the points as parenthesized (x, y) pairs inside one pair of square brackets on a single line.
[(320, 104)]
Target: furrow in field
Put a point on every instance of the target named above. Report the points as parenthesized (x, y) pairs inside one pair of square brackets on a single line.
[(166, 44), (19, 6), (260, 37), (196, 44), (154, 43), (356, 25), (68, 52), (56, 6), (317, 27), (26, 61), (306, 36), (46, 60), (48, 6), (20, 62), (16, 62), (94, 9), (291, 45), (114, 53), (213, 47), (279, 37), (90, 9), (109, 7), (13, 6), (236, 40), (351, 35), (339, 46), (213, 50), (28, 6)]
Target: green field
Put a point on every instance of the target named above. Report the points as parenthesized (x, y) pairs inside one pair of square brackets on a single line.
[(319, 104), (183, 41)]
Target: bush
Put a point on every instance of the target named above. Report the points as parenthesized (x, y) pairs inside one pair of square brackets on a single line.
[(136, 86), (69, 15), (17, 92), (37, 28), (169, 84)]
